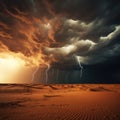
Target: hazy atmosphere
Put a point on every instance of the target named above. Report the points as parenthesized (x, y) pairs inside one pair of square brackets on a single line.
[(59, 59)]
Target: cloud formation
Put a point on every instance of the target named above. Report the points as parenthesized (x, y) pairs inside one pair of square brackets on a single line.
[(48, 32)]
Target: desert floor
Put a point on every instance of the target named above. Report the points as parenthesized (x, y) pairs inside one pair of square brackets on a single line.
[(60, 102)]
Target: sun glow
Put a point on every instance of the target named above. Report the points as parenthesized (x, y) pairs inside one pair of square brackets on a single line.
[(10, 66)]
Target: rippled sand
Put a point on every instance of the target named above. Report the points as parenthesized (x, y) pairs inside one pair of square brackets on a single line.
[(60, 102)]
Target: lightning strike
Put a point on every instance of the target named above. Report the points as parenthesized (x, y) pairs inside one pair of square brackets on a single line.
[(48, 68), (34, 73), (79, 63)]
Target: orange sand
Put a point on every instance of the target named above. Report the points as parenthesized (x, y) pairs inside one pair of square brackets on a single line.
[(60, 102)]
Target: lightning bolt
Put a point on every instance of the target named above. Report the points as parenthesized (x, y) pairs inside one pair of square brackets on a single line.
[(48, 68), (79, 63), (33, 76)]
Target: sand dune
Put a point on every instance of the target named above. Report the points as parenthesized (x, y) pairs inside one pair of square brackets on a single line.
[(59, 102)]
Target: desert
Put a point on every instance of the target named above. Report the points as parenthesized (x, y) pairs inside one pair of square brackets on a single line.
[(59, 102)]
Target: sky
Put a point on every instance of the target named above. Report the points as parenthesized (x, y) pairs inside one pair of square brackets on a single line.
[(60, 41)]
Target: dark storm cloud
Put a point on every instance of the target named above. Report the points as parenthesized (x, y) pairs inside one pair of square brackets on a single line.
[(97, 22), (87, 29), (77, 9), (86, 10)]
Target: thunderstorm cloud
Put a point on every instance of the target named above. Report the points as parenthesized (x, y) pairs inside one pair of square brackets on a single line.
[(54, 31)]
